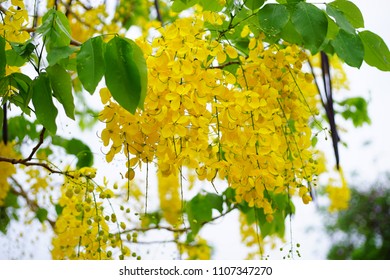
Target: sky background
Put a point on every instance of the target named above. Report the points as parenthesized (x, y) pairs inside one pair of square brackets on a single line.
[(361, 162)]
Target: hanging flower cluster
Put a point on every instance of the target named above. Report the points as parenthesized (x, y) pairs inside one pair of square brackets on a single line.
[(83, 228), (244, 118)]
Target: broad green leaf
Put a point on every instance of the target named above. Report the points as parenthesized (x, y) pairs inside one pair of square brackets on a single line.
[(254, 4), (333, 29), (355, 108), (290, 34), (55, 55), (214, 6), (351, 12), (11, 200), (199, 209), (376, 52), (349, 47), (58, 209), (75, 147), (55, 29), (4, 220), (273, 18), (61, 83), (312, 24), (19, 128), (20, 85), (340, 18), (90, 63), (41, 214), (126, 73), (3, 59), (181, 5), (14, 59), (42, 99), (25, 49)]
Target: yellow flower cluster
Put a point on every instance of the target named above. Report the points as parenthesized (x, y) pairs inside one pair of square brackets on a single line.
[(6, 169), (249, 125), (82, 229), (14, 21), (198, 251), (170, 202), (339, 196)]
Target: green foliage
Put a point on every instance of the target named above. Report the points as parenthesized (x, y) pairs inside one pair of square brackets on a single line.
[(55, 29), (90, 63), (41, 214), (125, 74), (349, 47), (312, 24), (45, 110), (61, 83), (75, 147), (355, 108), (349, 11), (363, 230), (376, 52), (273, 18), (200, 209), (3, 59)]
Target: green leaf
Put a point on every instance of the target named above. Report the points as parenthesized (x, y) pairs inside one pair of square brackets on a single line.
[(21, 90), (75, 147), (11, 200), (55, 55), (90, 63), (350, 11), (356, 109), (4, 220), (312, 24), (340, 18), (126, 73), (181, 5), (41, 214), (273, 18), (25, 49), (213, 6), (290, 34), (58, 209), (199, 209), (55, 29), (3, 59), (14, 59), (42, 99), (20, 128), (61, 83), (253, 4), (376, 52), (349, 47)]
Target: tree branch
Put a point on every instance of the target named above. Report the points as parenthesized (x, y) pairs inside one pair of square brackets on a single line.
[(31, 204), (158, 12)]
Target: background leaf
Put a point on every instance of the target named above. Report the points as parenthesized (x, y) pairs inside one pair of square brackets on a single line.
[(199, 209), (75, 147)]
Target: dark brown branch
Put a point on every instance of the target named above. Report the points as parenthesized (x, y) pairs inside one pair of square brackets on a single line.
[(224, 65), (158, 12), (5, 124), (35, 149), (2, 9)]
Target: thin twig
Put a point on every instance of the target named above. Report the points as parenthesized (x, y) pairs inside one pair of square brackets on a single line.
[(31, 204), (158, 12)]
